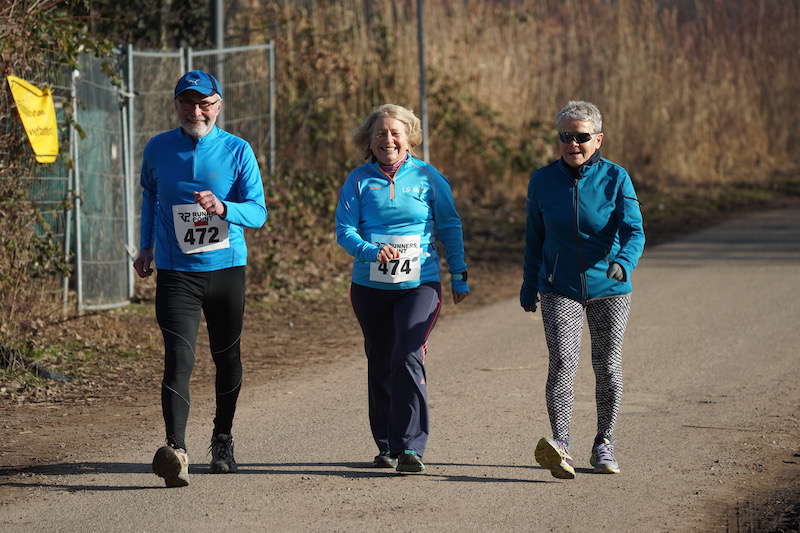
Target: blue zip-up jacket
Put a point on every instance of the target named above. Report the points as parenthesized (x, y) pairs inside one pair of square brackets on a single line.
[(416, 204), (577, 226), (176, 165)]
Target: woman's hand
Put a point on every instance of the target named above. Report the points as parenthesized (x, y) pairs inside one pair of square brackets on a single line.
[(615, 271), (387, 253)]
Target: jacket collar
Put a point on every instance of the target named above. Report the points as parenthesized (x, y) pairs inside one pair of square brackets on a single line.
[(578, 173)]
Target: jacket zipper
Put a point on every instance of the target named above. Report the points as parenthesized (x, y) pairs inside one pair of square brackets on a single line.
[(552, 275), (581, 276), (391, 183)]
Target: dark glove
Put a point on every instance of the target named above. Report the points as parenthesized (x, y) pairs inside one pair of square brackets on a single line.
[(459, 285), (615, 271), (528, 299)]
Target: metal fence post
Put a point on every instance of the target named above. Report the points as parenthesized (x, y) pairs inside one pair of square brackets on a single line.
[(423, 98), (219, 43), (77, 192), (272, 142), (130, 216), (68, 205)]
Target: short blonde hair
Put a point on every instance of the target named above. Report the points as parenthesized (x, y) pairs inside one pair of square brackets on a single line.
[(362, 136)]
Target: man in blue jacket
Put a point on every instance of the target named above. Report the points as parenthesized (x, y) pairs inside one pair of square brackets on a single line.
[(201, 186), (584, 237)]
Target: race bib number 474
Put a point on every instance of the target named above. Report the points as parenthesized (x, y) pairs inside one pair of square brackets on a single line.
[(406, 268), (198, 231)]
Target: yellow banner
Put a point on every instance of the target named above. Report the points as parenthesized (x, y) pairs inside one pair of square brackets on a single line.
[(38, 116)]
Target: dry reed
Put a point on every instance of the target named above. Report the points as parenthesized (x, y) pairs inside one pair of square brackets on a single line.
[(691, 92)]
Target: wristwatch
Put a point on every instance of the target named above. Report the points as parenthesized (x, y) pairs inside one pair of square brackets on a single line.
[(461, 276)]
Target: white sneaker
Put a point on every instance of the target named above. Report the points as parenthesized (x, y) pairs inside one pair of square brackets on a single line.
[(173, 465), (553, 455), (602, 458)]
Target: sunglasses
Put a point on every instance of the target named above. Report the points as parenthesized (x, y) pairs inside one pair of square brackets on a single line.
[(580, 138)]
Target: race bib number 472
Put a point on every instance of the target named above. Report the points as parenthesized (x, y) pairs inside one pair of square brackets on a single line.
[(406, 268), (198, 231)]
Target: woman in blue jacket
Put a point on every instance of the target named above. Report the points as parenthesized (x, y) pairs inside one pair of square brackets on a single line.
[(584, 237), (391, 210)]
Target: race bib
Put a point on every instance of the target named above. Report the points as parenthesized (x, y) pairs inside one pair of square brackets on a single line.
[(198, 231), (406, 268)]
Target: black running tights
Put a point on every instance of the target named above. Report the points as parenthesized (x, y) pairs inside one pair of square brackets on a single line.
[(180, 296)]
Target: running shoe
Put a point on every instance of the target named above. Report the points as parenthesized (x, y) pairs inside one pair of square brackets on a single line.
[(173, 465), (602, 459), (554, 455), (384, 460), (222, 461), (410, 463)]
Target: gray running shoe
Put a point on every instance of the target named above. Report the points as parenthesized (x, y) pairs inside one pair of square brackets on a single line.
[(602, 458), (410, 463), (173, 465), (554, 455), (222, 461), (384, 460)]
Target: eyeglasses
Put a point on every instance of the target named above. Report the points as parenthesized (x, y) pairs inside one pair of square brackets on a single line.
[(579, 137), (204, 106)]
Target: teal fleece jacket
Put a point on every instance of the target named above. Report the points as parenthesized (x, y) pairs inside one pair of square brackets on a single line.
[(577, 224)]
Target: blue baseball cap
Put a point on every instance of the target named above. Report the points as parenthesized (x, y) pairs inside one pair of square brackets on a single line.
[(197, 80)]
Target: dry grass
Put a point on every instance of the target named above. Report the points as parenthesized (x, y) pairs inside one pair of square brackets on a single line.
[(693, 93)]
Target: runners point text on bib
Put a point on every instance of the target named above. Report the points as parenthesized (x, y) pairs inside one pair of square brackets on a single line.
[(406, 268), (198, 231)]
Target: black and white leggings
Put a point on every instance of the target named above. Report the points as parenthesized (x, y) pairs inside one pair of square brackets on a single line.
[(563, 324)]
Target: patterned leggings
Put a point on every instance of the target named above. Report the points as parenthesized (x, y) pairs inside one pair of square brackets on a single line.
[(563, 324)]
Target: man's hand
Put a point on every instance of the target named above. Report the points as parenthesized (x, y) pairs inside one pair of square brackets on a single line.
[(142, 263), (210, 203)]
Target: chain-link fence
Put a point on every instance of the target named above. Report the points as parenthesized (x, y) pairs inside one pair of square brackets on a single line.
[(88, 199), (103, 272), (247, 76)]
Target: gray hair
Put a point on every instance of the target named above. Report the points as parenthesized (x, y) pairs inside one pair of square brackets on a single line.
[(584, 111), (362, 136)]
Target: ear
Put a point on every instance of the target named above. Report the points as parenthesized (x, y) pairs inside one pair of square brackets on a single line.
[(599, 139)]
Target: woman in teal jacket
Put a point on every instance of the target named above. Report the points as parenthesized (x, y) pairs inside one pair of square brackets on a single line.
[(584, 237), (391, 211)]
